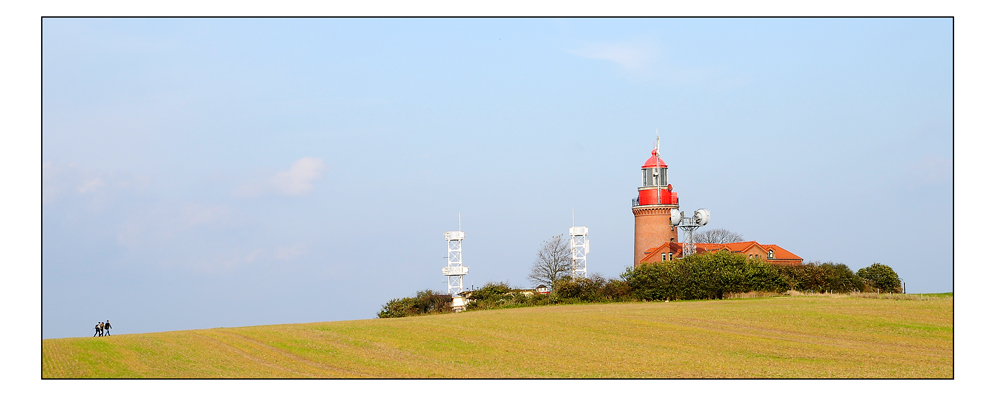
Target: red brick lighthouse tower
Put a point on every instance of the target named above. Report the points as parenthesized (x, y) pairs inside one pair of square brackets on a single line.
[(652, 207)]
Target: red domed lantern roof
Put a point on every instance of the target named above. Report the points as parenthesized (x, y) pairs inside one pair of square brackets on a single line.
[(654, 161)]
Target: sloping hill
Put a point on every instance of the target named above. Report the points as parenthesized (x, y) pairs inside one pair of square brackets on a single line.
[(769, 337)]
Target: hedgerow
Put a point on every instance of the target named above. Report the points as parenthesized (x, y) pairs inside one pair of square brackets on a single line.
[(502, 295), (702, 276), (424, 302), (696, 277), (821, 278)]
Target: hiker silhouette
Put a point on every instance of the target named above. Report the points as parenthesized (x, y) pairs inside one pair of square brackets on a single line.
[(107, 327)]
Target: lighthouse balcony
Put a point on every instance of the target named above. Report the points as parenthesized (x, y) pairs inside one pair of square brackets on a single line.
[(673, 202)]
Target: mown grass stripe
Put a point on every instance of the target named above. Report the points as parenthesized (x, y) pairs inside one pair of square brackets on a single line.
[(806, 337)]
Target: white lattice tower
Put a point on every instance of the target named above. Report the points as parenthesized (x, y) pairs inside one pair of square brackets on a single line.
[(454, 269), (579, 247), (690, 225)]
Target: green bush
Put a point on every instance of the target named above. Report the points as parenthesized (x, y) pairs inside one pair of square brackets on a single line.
[(501, 295), (821, 277), (424, 302), (880, 277), (397, 308), (584, 289), (491, 291), (703, 276), (617, 290)]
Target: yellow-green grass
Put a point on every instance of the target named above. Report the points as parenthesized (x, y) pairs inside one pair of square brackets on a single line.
[(806, 337)]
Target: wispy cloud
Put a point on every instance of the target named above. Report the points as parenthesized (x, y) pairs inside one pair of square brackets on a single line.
[(91, 185), (194, 214), (300, 178), (69, 180), (629, 56), (645, 61), (931, 169), (296, 181), (165, 225), (287, 253)]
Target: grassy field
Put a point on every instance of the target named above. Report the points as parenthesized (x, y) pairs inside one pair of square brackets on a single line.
[(800, 337)]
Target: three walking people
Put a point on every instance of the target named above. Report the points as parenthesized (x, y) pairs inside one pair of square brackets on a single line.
[(101, 328)]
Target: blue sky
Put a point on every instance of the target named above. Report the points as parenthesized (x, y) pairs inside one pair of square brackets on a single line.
[(203, 173)]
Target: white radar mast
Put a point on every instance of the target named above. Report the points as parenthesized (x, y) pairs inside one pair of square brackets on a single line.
[(689, 225), (454, 269), (579, 247)]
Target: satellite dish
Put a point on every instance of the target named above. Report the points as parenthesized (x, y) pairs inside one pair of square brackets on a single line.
[(701, 216), (675, 218)]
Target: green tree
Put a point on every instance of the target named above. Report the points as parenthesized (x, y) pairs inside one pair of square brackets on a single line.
[(424, 302), (703, 276), (584, 289), (881, 277)]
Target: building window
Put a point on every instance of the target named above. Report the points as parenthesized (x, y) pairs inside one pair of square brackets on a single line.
[(770, 254), (663, 257), (671, 255)]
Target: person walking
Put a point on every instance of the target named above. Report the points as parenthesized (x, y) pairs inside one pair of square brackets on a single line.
[(97, 330), (107, 327)]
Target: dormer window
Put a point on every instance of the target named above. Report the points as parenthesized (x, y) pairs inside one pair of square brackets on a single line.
[(770, 254)]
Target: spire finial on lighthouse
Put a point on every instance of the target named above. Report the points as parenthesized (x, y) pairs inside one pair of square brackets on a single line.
[(656, 149)]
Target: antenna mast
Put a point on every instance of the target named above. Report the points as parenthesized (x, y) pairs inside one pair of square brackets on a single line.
[(689, 225), (454, 269), (579, 247), (659, 178)]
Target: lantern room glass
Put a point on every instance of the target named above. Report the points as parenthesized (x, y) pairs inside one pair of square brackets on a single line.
[(651, 180)]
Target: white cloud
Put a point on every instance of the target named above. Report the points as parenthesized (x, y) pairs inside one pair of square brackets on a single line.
[(931, 169), (252, 255), (69, 180), (644, 61), (630, 56), (50, 183), (298, 180), (91, 185), (287, 253), (219, 263), (196, 214)]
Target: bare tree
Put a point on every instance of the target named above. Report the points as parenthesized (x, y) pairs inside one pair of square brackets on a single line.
[(553, 261), (717, 235)]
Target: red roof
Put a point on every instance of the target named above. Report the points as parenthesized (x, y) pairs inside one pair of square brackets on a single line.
[(654, 160), (736, 247)]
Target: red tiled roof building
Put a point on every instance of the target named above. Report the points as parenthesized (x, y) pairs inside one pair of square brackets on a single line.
[(771, 253), (656, 239)]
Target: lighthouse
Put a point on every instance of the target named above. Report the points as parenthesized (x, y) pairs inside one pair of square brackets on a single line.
[(652, 207)]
